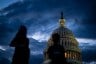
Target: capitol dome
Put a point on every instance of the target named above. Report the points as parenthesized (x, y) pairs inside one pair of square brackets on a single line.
[(68, 41)]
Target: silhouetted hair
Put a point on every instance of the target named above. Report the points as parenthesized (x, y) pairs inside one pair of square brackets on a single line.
[(22, 31), (21, 35)]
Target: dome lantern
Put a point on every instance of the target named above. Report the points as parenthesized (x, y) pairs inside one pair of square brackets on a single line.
[(62, 20)]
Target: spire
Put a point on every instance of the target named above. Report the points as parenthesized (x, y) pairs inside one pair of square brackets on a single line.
[(62, 20), (61, 15)]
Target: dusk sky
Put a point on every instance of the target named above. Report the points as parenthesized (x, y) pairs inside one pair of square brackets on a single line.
[(41, 17)]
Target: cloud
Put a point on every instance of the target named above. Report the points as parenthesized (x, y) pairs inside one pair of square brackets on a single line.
[(7, 31), (43, 36), (89, 53), (2, 48), (4, 3), (45, 18), (88, 49), (86, 41), (36, 52), (93, 62), (39, 36)]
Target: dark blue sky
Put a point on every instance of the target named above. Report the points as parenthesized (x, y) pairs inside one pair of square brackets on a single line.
[(41, 17), (5, 3)]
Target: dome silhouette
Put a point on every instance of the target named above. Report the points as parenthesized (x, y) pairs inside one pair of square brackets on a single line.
[(68, 41)]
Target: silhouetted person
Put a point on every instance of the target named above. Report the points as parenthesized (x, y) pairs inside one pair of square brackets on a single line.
[(56, 52), (21, 44)]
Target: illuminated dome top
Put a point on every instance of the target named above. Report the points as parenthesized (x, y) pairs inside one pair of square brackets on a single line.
[(68, 41), (63, 31)]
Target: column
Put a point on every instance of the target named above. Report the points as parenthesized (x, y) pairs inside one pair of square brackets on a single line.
[(68, 54)]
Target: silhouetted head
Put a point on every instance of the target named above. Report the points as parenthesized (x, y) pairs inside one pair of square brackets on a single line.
[(20, 36), (55, 38), (23, 30)]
